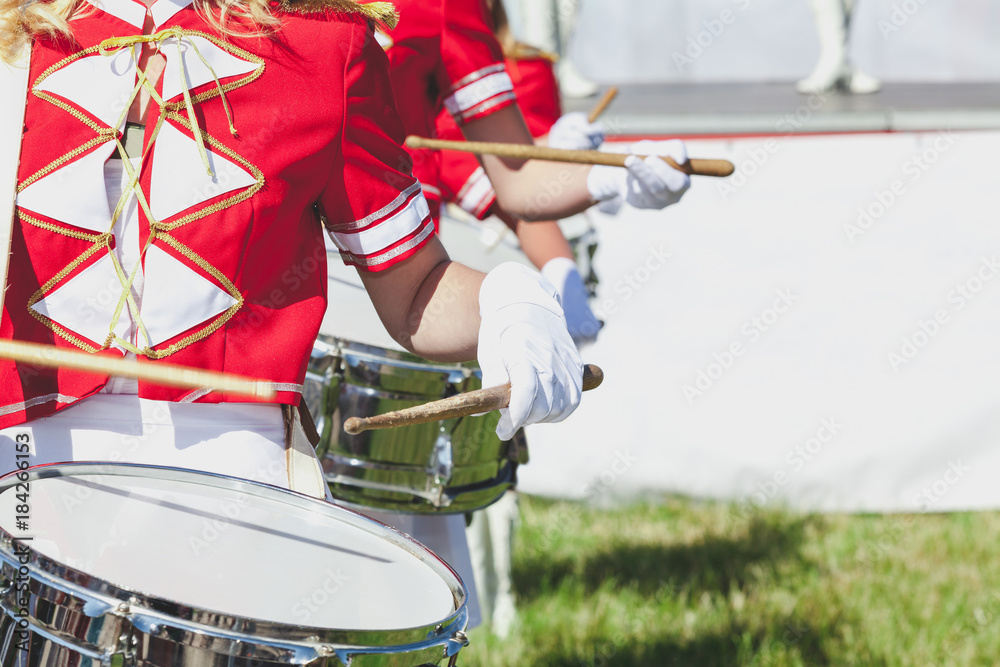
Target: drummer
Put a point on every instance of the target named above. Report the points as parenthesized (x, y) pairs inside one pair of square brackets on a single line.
[(443, 54), (465, 184), (164, 211)]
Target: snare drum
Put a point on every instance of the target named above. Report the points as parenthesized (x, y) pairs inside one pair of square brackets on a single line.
[(147, 566), (358, 370), (446, 467)]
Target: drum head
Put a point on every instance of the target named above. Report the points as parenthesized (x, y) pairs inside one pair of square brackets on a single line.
[(224, 545)]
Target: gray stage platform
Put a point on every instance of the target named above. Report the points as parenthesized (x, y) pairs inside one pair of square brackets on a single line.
[(738, 108)]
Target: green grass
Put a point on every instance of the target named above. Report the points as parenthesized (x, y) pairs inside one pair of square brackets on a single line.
[(677, 582)]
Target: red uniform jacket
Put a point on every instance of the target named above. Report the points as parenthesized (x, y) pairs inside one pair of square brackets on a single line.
[(233, 264)]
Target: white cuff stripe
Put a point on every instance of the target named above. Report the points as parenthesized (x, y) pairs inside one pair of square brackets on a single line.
[(475, 191), (478, 74), (477, 92), (377, 238), (486, 106), (393, 253), (344, 227)]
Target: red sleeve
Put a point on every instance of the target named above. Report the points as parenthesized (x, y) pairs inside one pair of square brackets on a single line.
[(472, 72), (375, 211), (537, 93), (463, 180)]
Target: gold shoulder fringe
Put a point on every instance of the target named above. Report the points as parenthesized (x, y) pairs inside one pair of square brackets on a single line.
[(522, 51), (383, 13)]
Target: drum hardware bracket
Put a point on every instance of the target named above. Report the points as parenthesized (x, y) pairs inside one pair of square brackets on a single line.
[(442, 464), (101, 658), (457, 642)]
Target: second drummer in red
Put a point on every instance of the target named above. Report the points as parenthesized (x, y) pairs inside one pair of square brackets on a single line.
[(465, 183)]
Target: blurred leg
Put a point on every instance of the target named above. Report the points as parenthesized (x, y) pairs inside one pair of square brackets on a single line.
[(572, 82), (538, 18), (502, 515), (481, 554), (833, 70), (855, 80), (831, 27)]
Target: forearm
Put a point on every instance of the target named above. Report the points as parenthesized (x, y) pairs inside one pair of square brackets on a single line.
[(531, 190), (429, 304), (443, 320), (543, 242), (540, 241)]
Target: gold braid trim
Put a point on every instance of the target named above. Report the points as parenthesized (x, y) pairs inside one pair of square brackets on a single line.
[(383, 13)]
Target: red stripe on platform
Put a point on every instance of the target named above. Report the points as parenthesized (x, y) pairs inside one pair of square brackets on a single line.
[(628, 138)]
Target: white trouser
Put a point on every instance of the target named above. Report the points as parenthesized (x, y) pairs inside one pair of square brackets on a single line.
[(245, 440), (490, 546)]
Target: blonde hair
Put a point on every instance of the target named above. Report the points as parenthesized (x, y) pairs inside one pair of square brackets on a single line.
[(23, 20)]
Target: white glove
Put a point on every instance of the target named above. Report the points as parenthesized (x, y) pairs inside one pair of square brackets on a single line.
[(574, 132), (573, 295), (649, 183), (523, 339)]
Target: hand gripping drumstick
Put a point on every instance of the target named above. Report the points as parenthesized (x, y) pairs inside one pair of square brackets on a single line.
[(693, 167), (171, 375), (603, 104), (463, 405)]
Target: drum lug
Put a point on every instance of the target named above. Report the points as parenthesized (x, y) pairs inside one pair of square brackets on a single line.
[(442, 464), (457, 642)]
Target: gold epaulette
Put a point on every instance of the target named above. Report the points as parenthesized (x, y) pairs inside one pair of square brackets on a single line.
[(521, 51), (383, 13)]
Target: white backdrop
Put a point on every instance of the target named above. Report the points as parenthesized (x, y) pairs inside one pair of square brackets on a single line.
[(823, 333), (633, 41)]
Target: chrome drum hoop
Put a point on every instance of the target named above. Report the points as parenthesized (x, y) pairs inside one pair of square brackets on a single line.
[(447, 467), (54, 615)]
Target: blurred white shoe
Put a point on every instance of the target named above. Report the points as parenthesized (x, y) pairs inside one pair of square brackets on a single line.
[(834, 71), (859, 83)]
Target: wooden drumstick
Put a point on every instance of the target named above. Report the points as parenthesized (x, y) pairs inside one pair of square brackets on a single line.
[(693, 167), (462, 405), (603, 104), (171, 375)]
